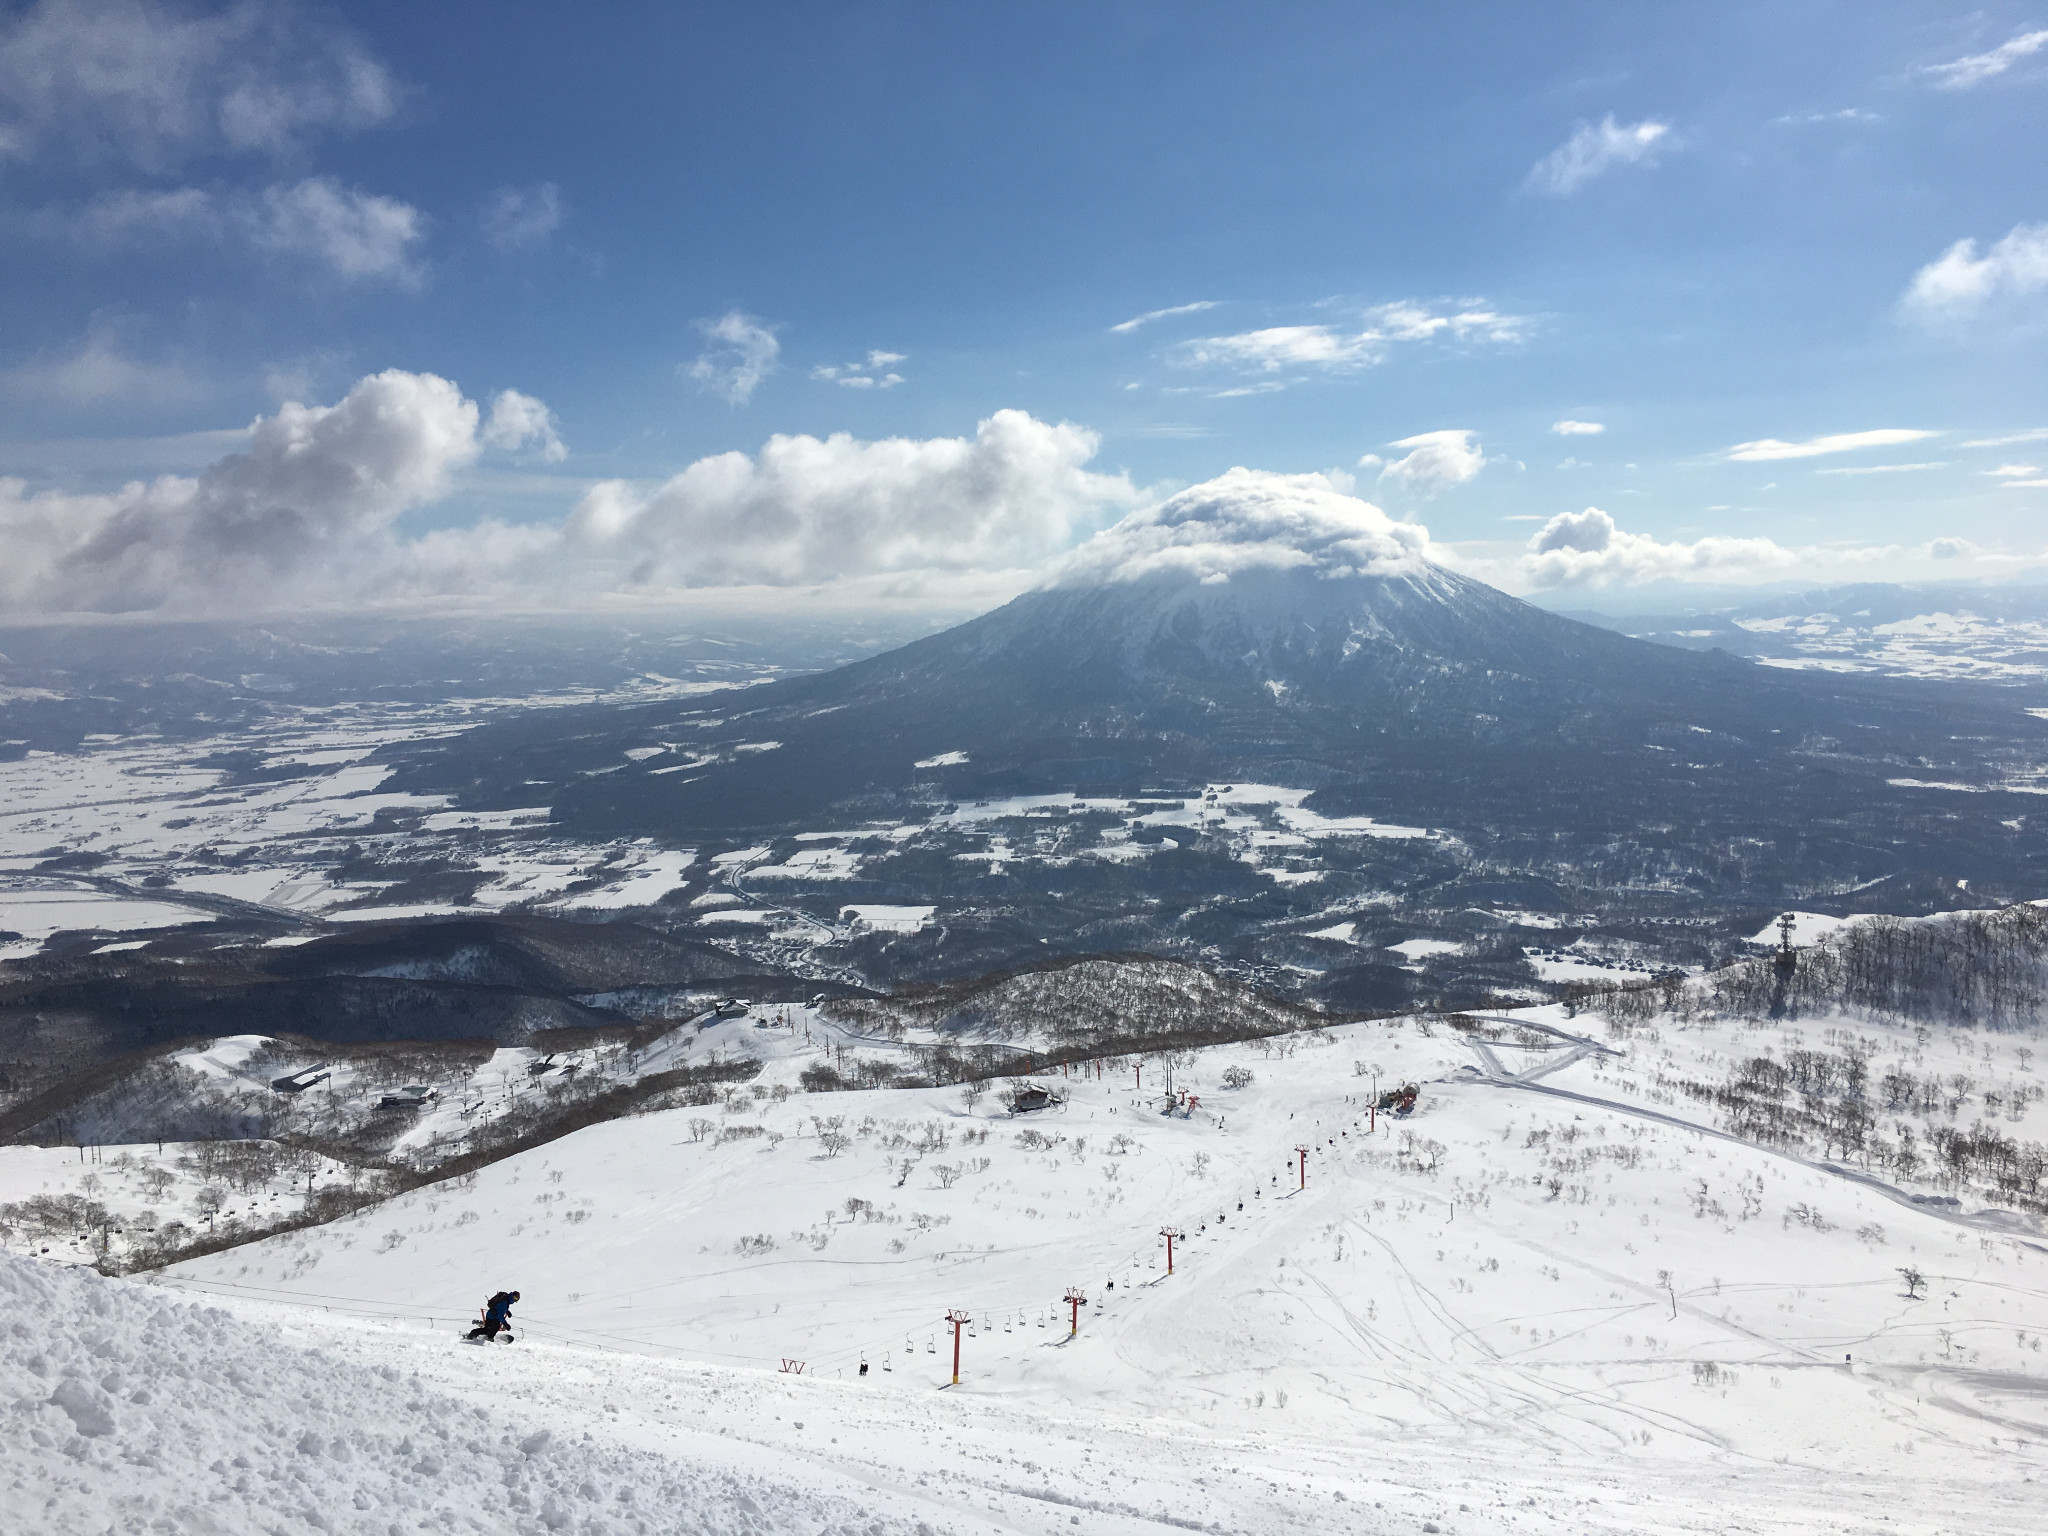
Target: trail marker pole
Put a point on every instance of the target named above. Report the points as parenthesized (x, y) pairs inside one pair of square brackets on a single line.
[(1169, 1233), (1303, 1151), (959, 1320), (1075, 1302)]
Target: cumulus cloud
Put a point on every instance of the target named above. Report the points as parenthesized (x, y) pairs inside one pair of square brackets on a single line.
[(807, 509), (1249, 520), (520, 420), (315, 484), (1595, 149), (878, 371), (152, 86), (517, 217), (1435, 461), (1339, 349), (1171, 310), (1570, 428), (1766, 449), (742, 353), (354, 233), (1976, 68), (1587, 549), (310, 513), (1960, 283)]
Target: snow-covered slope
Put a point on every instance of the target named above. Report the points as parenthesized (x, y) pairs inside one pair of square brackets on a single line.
[(1547, 1287)]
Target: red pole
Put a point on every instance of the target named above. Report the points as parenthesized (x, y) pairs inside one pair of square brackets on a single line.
[(1074, 1303), (1169, 1234), (957, 1318), (1139, 1080), (1304, 1166)]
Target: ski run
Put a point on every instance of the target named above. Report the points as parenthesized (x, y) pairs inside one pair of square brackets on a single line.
[(1556, 1297)]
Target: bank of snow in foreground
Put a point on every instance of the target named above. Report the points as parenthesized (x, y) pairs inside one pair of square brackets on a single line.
[(127, 1408)]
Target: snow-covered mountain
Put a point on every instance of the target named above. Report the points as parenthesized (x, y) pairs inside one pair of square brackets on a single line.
[(1272, 629)]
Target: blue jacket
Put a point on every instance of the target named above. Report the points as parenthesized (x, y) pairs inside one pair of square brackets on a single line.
[(499, 1308)]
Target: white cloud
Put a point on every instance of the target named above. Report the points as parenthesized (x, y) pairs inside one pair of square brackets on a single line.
[(2034, 435), (1570, 428), (1883, 469), (1976, 68), (808, 510), (875, 373), (1281, 346), (99, 370), (1587, 549), (355, 233), (358, 234), (308, 515), (517, 217), (1593, 150), (1435, 461), (1766, 449), (517, 420), (742, 354), (1248, 520), (1959, 283), (1334, 349), (153, 86), (315, 485), (1162, 314), (1841, 115)]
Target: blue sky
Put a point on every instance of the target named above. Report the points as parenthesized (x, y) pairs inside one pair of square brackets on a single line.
[(1396, 244)]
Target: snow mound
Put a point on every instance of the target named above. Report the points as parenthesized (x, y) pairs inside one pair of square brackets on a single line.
[(123, 1410)]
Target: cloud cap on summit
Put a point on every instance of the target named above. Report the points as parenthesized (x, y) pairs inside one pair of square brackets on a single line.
[(1249, 520)]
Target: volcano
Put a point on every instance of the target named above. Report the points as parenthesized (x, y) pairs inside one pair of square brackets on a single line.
[(1271, 629)]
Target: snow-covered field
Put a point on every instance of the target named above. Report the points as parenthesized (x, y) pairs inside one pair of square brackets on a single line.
[(1555, 1298)]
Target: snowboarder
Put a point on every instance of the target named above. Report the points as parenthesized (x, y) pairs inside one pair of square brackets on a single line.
[(497, 1317)]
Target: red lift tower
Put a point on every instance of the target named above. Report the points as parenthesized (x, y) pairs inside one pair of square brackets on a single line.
[(1170, 1233), (1075, 1302), (959, 1320)]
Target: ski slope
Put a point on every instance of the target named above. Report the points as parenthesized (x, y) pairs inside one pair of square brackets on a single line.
[(1518, 1301)]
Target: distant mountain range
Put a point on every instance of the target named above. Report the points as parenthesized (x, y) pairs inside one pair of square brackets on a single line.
[(1963, 630)]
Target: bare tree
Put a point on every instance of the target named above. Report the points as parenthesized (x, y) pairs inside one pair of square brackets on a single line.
[(1915, 1282)]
